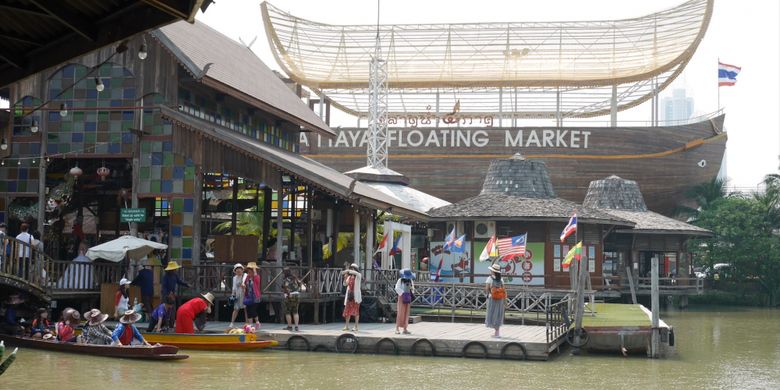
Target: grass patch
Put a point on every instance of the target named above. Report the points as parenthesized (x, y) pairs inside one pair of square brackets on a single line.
[(616, 314)]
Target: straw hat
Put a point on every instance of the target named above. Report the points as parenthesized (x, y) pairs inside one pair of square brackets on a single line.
[(74, 316), (406, 273), (208, 297), (172, 266), (495, 268), (124, 282), (130, 317), (252, 265), (95, 317), (48, 336), (237, 266)]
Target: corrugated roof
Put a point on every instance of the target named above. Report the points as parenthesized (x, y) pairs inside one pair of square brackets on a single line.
[(412, 198), (208, 54), (651, 222)]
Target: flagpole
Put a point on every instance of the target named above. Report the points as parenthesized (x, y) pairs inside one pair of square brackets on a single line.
[(718, 84)]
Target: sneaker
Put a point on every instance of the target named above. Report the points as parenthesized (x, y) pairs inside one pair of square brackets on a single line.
[(296, 328), (289, 328), (397, 332), (345, 328), (407, 332), (354, 328), (231, 325)]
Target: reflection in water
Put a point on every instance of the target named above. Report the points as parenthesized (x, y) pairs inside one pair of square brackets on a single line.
[(720, 348)]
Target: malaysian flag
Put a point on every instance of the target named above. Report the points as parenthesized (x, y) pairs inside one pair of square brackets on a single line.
[(512, 246)]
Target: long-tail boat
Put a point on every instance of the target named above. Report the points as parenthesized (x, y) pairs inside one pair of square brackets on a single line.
[(155, 352), (212, 342)]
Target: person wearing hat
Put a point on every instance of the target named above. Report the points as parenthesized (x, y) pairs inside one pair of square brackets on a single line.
[(187, 312), (40, 325), (404, 287), (125, 332), (291, 290), (171, 279), (239, 287), (122, 298), (494, 288), (66, 327), (252, 294), (94, 331), (352, 299)]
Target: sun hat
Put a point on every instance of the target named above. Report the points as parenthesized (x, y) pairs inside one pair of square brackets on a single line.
[(74, 316), (238, 265), (495, 268), (130, 317), (208, 297), (252, 265), (172, 266), (48, 336), (355, 266), (95, 317), (124, 282), (406, 273)]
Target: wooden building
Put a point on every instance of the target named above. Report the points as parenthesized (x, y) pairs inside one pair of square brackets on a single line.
[(517, 197), (181, 134)]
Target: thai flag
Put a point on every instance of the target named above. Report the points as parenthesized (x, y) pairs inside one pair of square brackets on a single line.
[(570, 228), (396, 246), (382, 244), (727, 74)]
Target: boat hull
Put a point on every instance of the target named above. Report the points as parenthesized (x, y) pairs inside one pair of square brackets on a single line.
[(451, 163), (211, 342), (158, 352)]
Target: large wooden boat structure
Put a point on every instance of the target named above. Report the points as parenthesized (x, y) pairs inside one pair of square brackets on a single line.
[(459, 95)]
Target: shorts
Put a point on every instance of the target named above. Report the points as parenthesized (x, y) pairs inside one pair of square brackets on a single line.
[(291, 305), (251, 310)]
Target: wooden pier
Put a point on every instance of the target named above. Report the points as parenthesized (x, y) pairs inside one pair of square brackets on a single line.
[(520, 342)]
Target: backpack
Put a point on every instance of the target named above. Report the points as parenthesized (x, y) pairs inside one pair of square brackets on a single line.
[(498, 293)]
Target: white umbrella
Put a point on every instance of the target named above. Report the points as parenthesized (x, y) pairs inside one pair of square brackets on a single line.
[(115, 250)]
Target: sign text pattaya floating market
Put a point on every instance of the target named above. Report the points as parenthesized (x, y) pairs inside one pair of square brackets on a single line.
[(456, 138)]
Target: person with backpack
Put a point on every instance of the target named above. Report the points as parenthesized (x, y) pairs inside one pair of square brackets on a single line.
[(494, 288), (404, 287)]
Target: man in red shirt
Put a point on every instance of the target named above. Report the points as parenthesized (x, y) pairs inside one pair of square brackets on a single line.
[(187, 312)]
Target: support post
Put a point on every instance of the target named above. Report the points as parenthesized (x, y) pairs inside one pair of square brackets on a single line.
[(654, 303), (631, 284), (267, 195), (613, 109), (279, 225), (369, 245), (233, 210), (309, 229), (197, 201), (356, 239), (329, 232)]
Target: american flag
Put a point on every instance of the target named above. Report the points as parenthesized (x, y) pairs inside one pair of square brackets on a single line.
[(512, 246)]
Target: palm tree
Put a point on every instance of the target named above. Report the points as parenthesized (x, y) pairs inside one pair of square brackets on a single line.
[(770, 199), (703, 195)]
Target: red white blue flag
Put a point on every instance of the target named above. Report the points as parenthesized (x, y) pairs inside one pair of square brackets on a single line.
[(382, 244), (512, 246), (727, 74), (570, 228), (450, 239), (396, 246)]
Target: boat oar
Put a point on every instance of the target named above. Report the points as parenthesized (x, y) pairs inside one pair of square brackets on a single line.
[(9, 360)]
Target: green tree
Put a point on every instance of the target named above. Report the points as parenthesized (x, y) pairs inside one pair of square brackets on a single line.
[(703, 195), (745, 237)]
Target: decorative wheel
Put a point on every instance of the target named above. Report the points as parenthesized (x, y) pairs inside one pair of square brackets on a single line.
[(514, 351), (425, 348), (347, 343), (472, 346), (572, 334), (386, 346), (298, 343)]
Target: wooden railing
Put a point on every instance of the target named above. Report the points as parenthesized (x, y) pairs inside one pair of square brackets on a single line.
[(22, 263), (81, 277)]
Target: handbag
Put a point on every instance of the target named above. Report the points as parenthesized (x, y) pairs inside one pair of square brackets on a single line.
[(249, 297), (406, 298)]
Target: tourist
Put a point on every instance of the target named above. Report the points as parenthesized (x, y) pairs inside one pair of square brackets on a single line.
[(125, 332), (145, 280), (186, 314), (252, 294), (122, 298), (237, 295), (40, 325), (161, 319), (494, 287), (291, 288), (171, 280), (404, 287), (66, 328), (352, 298), (10, 324), (24, 250), (94, 331)]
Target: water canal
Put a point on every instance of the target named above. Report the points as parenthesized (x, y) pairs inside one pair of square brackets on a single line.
[(717, 348)]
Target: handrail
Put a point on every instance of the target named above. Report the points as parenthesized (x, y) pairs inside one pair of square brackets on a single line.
[(23, 262)]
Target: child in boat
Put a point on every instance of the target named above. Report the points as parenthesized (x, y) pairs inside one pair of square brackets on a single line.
[(185, 316), (125, 332), (40, 325), (66, 327), (94, 332), (162, 317)]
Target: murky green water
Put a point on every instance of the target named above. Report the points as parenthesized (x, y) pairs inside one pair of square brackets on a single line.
[(716, 348)]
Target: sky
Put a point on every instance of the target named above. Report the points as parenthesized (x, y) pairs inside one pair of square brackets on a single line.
[(743, 33)]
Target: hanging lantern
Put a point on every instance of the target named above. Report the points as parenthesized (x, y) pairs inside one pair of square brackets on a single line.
[(103, 172), (76, 171)]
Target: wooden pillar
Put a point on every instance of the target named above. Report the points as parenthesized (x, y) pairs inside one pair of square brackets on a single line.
[(197, 202), (654, 303), (309, 230), (279, 225), (336, 230), (356, 240), (267, 195), (329, 230), (369, 245), (234, 209)]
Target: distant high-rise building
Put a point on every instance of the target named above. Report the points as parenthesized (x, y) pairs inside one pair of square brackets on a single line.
[(676, 108)]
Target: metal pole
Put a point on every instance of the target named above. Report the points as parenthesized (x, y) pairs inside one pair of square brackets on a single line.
[(654, 306), (356, 240), (613, 107), (279, 225)]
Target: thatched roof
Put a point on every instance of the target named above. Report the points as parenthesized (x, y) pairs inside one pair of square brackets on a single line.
[(622, 198)]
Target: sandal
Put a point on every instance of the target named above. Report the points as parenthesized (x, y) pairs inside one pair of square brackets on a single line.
[(407, 332), (289, 328), (355, 329), (397, 331)]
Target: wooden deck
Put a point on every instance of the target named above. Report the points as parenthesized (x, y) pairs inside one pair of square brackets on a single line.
[(427, 339)]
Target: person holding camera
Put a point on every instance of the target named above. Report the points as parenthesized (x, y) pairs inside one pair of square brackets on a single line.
[(404, 287), (352, 299)]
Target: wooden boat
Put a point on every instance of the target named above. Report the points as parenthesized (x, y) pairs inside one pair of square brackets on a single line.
[(211, 342), (157, 352)]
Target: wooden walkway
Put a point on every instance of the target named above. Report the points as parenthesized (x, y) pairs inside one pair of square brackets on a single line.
[(427, 339)]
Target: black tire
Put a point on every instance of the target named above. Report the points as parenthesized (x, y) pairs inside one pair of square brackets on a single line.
[(506, 355), (378, 346), (466, 347), (420, 342), (290, 343), (347, 343), (584, 338)]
